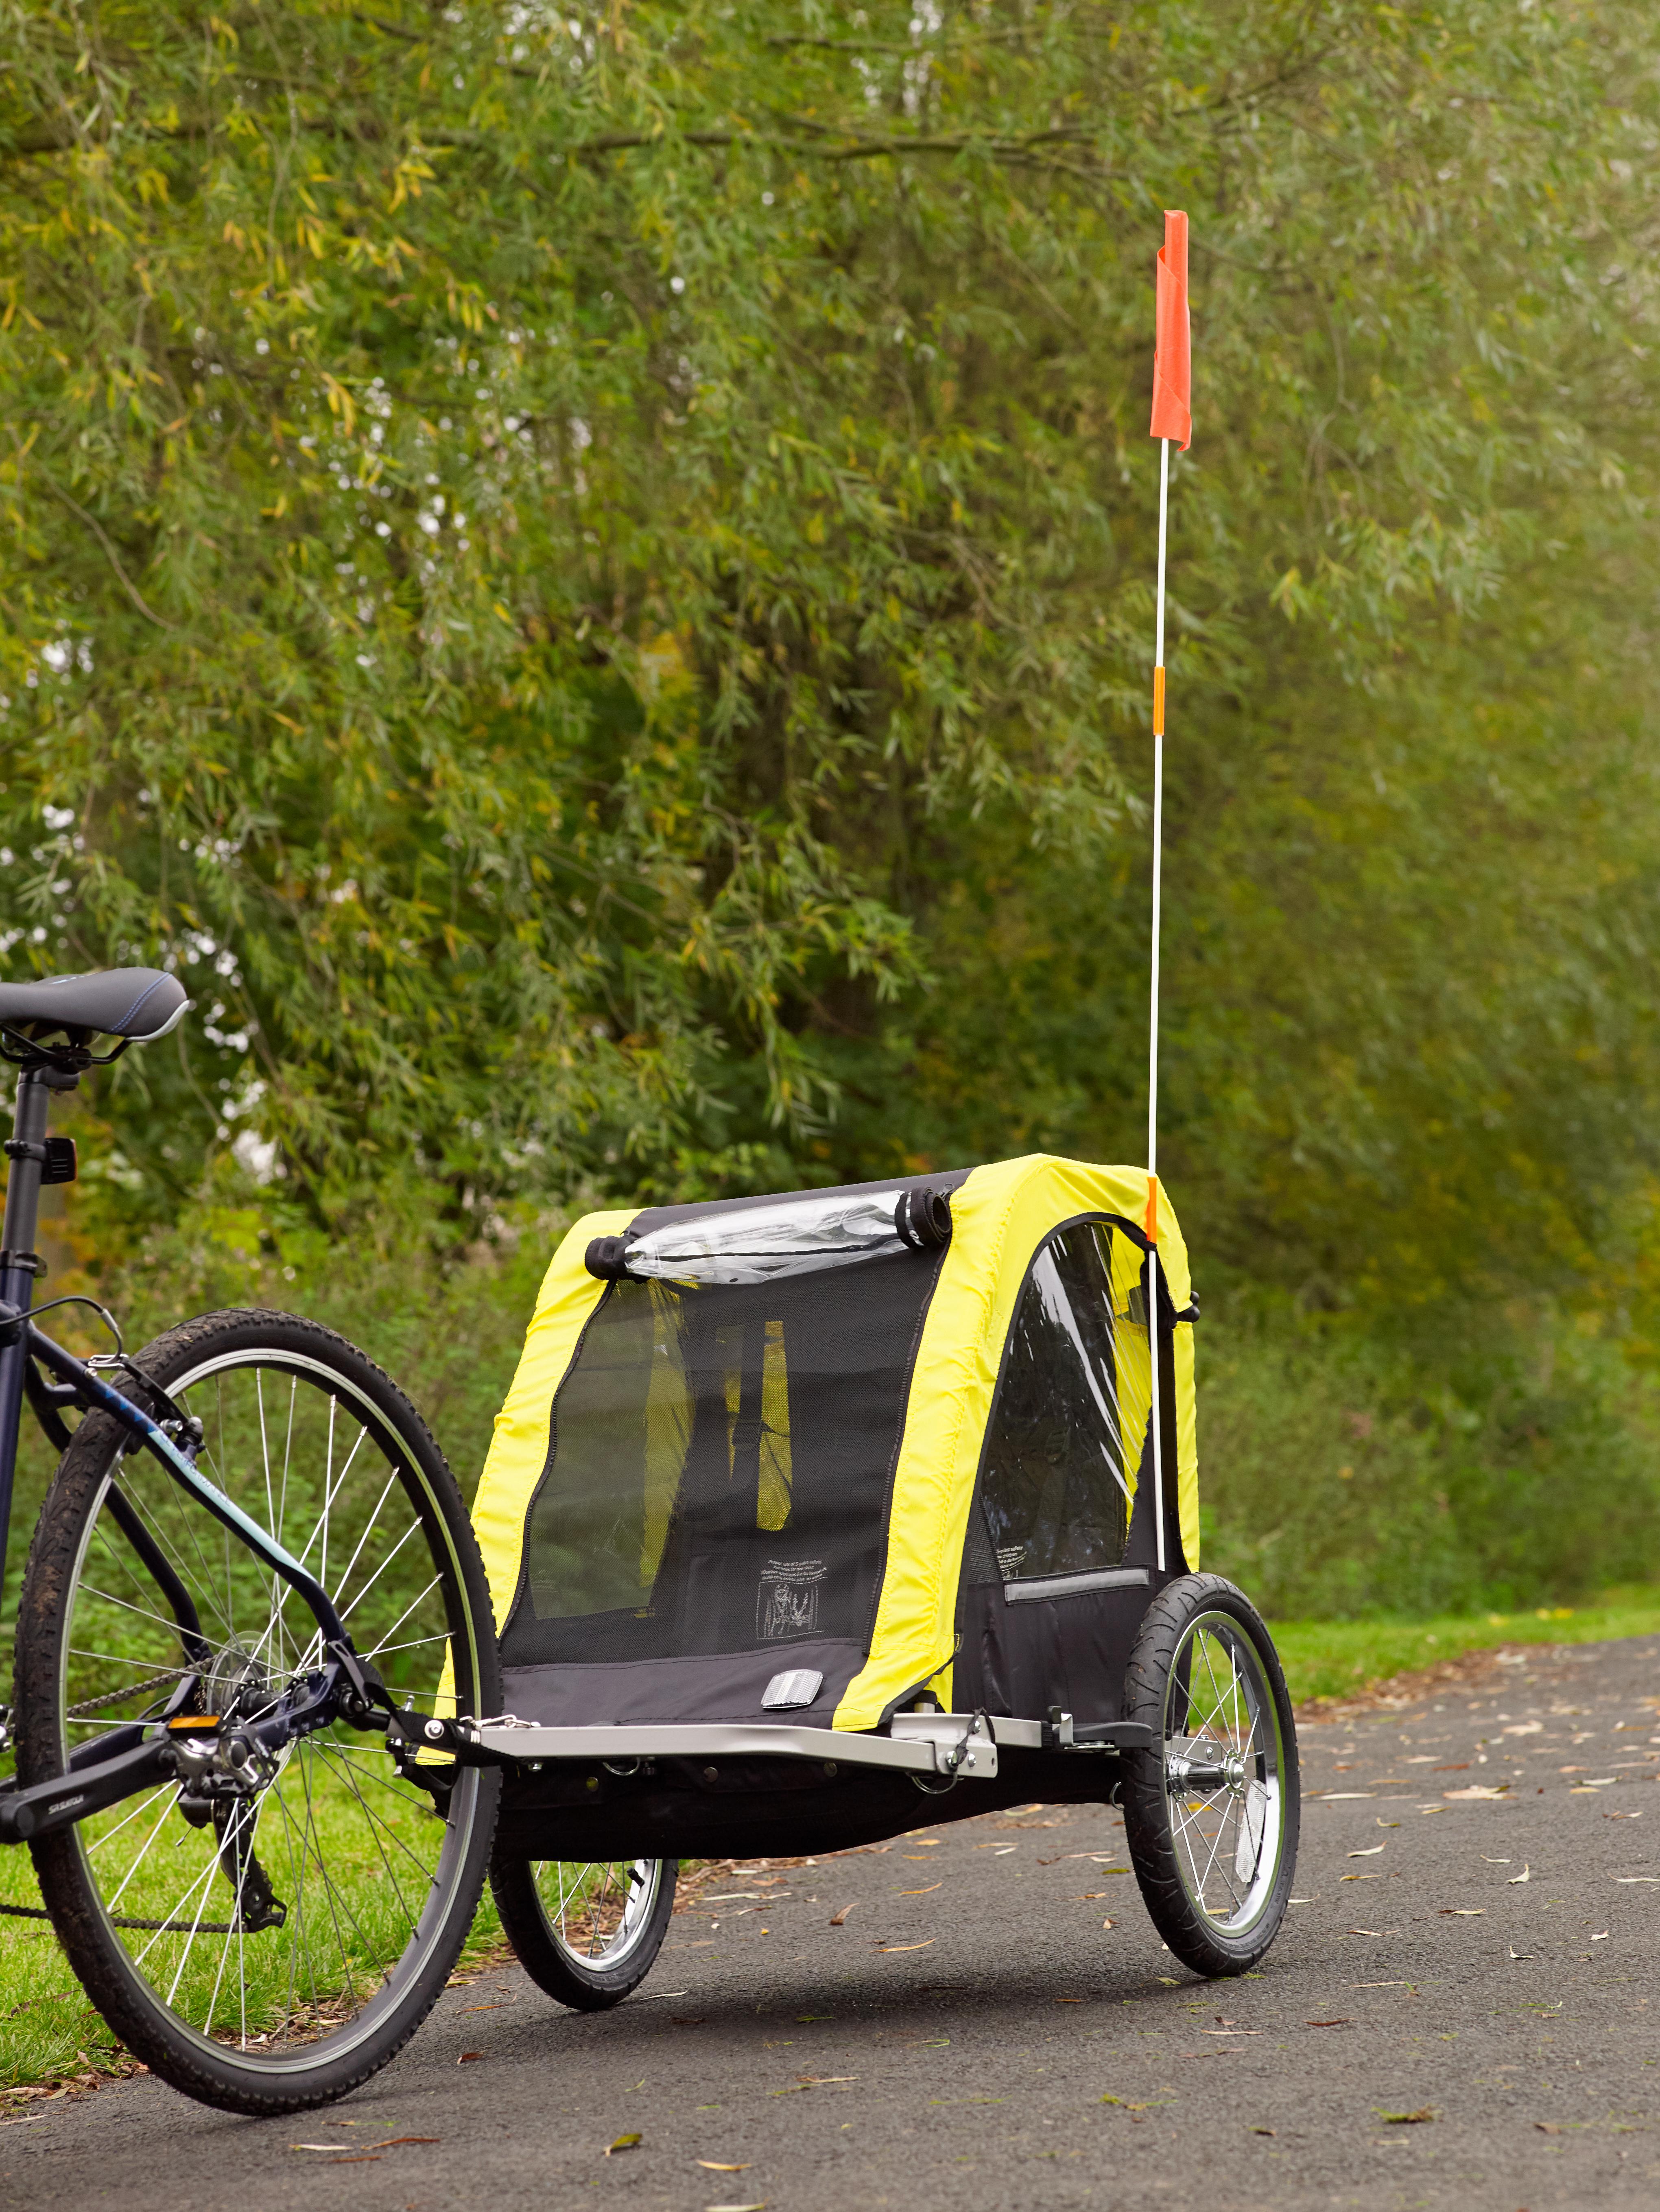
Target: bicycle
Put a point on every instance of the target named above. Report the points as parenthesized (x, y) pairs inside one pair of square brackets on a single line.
[(253, 1610)]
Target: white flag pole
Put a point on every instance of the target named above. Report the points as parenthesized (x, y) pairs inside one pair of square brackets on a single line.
[(1153, 1019)]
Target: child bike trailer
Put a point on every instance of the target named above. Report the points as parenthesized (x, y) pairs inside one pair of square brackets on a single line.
[(804, 1513)]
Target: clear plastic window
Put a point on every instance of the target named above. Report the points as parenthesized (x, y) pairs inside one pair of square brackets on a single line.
[(1070, 1422)]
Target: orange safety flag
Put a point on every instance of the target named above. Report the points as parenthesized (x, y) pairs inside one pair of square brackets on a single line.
[(1172, 360)]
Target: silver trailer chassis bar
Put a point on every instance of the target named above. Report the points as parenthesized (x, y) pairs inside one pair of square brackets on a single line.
[(963, 1745), (921, 1743)]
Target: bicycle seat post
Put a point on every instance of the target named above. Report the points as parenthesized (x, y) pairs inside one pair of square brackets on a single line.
[(19, 1264)]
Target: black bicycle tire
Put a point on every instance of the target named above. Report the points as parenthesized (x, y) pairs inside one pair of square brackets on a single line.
[(1190, 1934), (548, 1964), (212, 2073)]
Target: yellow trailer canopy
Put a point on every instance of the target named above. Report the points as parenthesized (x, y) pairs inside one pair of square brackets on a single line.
[(870, 1444)]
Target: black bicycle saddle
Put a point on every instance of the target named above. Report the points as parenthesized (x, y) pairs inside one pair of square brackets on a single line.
[(135, 1003)]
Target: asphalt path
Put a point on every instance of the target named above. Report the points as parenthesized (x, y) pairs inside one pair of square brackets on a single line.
[(981, 2016)]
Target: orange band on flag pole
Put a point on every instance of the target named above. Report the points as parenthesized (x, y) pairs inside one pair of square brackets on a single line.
[(1159, 702), (1152, 1223)]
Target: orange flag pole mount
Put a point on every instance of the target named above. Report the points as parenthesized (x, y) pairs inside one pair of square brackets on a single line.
[(1173, 422)]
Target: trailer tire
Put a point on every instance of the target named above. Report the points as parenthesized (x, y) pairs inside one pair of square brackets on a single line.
[(1211, 1809)]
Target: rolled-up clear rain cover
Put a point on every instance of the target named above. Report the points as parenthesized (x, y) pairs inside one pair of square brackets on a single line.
[(761, 1243)]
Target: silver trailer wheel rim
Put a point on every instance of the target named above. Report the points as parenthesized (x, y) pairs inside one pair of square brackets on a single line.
[(597, 1913), (1224, 1773)]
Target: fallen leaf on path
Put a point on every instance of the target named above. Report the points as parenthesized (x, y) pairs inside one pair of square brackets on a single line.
[(1630, 1878), (1462, 1911), (760, 2206), (391, 2140), (1113, 1923), (715, 2165), (1370, 1851), (1477, 1789), (907, 1946), (1374, 1932), (929, 1891), (1526, 1874), (1262, 2131), (1328, 2023), (468, 2055), (837, 1919), (1407, 2119), (622, 2142)]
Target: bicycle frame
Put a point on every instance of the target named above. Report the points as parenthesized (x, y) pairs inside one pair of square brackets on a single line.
[(133, 1754)]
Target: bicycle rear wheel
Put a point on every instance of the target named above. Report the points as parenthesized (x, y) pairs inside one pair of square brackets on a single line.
[(271, 1951)]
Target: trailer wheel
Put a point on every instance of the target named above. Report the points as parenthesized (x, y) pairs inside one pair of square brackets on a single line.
[(1211, 1810), (588, 1934)]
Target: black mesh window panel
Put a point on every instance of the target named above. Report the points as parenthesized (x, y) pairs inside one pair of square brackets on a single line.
[(1071, 1417), (718, 1468)]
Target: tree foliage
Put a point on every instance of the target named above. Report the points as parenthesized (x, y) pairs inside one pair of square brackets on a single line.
[(588, 576)]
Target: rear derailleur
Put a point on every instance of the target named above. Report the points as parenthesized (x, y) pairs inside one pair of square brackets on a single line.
[(221, 1777)]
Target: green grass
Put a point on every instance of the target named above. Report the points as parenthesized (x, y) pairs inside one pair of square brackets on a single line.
[(50, 2033), (1338, 1658)]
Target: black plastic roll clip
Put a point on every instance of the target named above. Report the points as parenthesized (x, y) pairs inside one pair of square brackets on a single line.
[(607, 1258), (922, 1219)]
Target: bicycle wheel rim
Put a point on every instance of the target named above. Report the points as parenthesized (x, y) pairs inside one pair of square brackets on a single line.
[(279, 2000), (1227, 1834), (597, 1913)]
